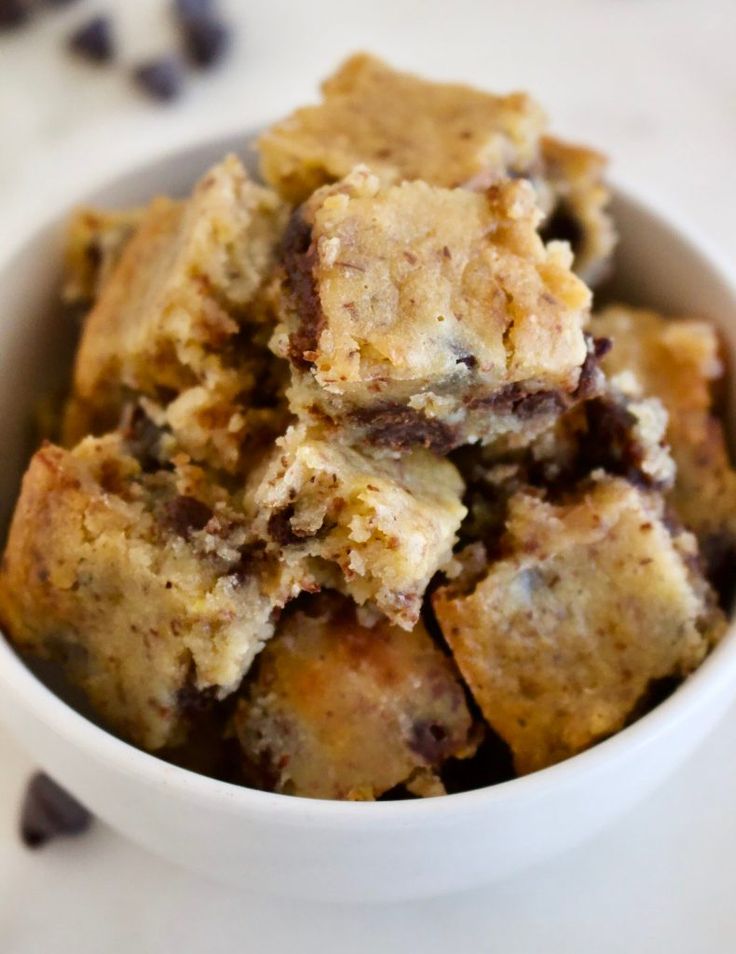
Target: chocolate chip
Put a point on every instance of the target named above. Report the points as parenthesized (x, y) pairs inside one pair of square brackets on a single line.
[(193, 701), (601, 347), (14, 13), (48, 811), (399, 427), (185, 9), (280, 529), (429, 740), (60, 3), (161, 79), (563, 226), (186, 514), (515, 399), (469, 360), (299, 257), (94, 40), (206, 39)]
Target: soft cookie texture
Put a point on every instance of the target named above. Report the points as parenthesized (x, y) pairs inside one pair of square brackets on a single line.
[(178, 322), (377, 527), (591, 602), (679, 360), (404, 127), (414, 315), (142, 585), (338, 709), (95, 240)]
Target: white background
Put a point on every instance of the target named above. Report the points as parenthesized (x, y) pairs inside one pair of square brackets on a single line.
[(653, 83)]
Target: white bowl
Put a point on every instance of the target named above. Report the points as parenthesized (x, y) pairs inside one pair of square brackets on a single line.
[(318, 849)]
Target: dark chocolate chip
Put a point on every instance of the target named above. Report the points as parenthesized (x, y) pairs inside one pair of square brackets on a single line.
[(14, 13), (48, 812), (601, 347), (186, 9), (469, 360), (206, 40), (161, 79), (280, 529), (515, 399), (60, 3), (563, 226), (94, 40), (429, 740), (399, 427), (193, 701), (299, 257), (186, 514)]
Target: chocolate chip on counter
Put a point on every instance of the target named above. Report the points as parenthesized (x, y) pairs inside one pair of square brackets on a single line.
[(94, 40), (48, 812), (194, 8), (14, 13), (206, 40), (161, 79)]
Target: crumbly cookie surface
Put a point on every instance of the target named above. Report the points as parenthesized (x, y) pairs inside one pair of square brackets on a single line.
[(679, 360), (590, 603), (404, 127), (178, 320), (342, 710), (143, 586), (418, 315), (95, 240), (572, 190), (377, 527)]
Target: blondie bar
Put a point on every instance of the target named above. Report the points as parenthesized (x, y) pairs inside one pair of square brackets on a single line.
[(338, 709), (590, 603)]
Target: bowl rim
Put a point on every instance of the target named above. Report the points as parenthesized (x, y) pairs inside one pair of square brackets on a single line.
[(59, 193)]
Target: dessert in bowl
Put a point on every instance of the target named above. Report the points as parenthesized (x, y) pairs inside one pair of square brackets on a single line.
[(355, 507)]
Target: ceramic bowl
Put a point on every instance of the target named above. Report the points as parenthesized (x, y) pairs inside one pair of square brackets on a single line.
[(292, 846)]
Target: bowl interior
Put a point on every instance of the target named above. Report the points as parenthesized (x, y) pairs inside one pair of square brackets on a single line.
[(659, 264)]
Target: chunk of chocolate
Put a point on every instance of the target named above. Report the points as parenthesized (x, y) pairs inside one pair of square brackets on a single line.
[(49, 811), (94, 40), (206, 39), (161, 79)]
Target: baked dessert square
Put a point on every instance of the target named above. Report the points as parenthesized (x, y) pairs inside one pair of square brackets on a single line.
[(144, 586), (404, 127), (340, 709), (414, 315), (590, 603), (180, 312), (378, 528), (679, 360)]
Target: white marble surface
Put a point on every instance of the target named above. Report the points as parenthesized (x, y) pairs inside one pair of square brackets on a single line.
[(653, 82)]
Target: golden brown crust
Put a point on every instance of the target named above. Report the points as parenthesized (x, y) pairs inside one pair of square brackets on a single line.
[(433, 317), (141, 585), (342, 710), (403, 126), (592, 601)]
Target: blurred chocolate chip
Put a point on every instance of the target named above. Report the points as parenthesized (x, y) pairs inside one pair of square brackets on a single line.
[(206, 40), (48, 812), (184, 9), (94, 40), (60, 3), (14, 13), (161, 79)]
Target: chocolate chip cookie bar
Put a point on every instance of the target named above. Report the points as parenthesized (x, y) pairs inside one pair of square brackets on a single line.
[(591, 602), (378, 528), (420, 316), (341, 709), (404, 127), (178, 322), (679, 360), (144, 586)]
